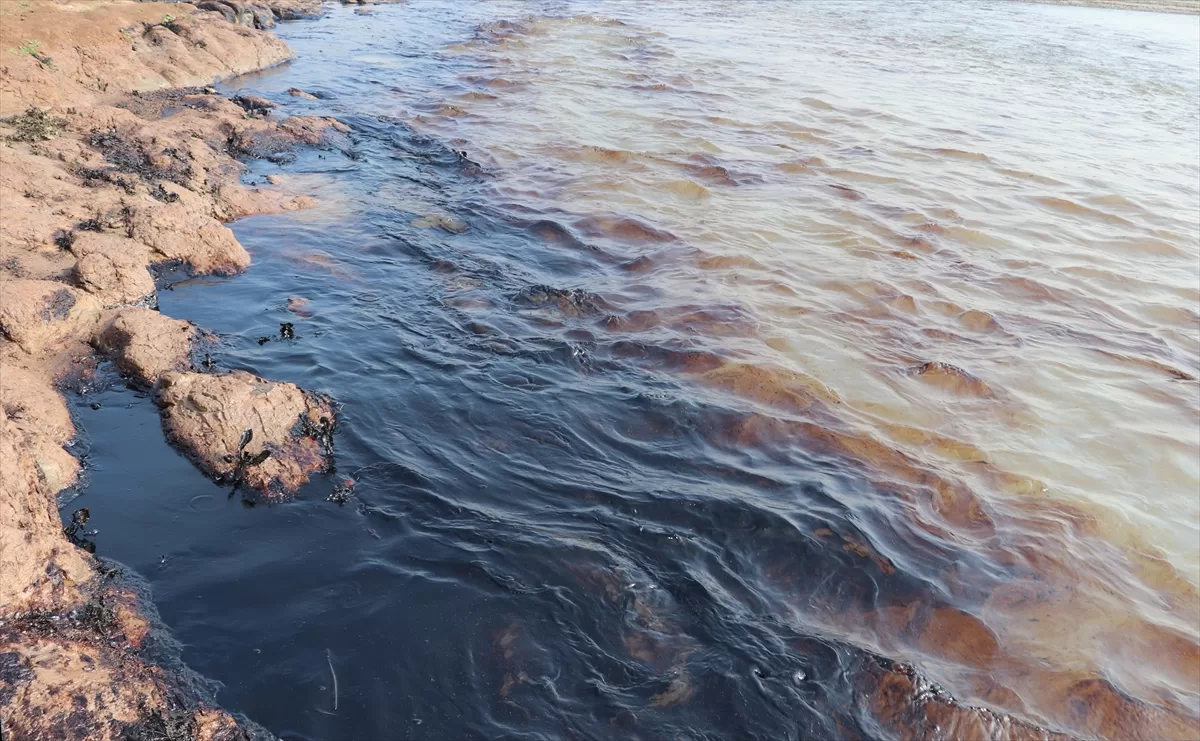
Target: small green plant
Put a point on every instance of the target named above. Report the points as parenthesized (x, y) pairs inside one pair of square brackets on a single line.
[(31, 48), (35, 125), (171, 22)]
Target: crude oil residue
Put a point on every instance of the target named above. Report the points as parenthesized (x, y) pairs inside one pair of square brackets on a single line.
[(710, 370)]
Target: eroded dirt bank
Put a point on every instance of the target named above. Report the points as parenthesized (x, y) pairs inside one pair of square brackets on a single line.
[(115, 158)]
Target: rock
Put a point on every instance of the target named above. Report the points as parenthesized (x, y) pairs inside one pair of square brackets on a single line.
[(906, 705), (39, 314), (440, 221), (39, 418), (216, 725), (112, 268), (243, 14), (770, 385), (208, 417), (274, 142), (296, 92), (236, 201), (291, 10), (34, 405), (145, 344), (75, 683), (117, 181), (953, 379), (37, 566), (313, 130), (105, 48), (182, 231), (297, 304), (254, 104)]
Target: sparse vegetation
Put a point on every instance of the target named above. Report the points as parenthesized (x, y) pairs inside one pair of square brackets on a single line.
[(29, 47), (171, 22), (32, 48), (35, 125), (64, 238)]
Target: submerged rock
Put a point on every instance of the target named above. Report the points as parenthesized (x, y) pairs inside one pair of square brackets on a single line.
[(909, 706), (242, 429), (953, 379), (313, 130), (145, 344), (254, 104)]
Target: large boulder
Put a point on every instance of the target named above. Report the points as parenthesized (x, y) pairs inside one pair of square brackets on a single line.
[(112, 268), (181, 230), (145, 344), (242, 429), (39, 314)]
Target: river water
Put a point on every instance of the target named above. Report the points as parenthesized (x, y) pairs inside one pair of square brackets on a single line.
[(691, 352)]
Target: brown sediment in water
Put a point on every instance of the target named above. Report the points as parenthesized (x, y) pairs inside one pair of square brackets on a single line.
[(1040, 602), (1030, 573), (988, 634), (98, 184), (989, 641), (982, 643)]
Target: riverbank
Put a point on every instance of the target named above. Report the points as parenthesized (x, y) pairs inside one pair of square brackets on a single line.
[(116, 160)]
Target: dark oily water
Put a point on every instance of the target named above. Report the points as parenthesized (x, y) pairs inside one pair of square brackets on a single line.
[(588, 501)]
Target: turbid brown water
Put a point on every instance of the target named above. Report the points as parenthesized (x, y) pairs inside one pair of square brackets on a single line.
[(693, 354)]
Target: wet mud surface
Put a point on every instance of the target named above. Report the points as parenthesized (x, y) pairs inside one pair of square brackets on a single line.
[(561, 503)]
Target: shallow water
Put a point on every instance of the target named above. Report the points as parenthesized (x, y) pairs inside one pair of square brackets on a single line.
[(692, 354)]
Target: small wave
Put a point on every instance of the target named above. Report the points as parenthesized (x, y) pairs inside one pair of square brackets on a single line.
[(1067, 206), (626, 229), (845, 191), (686, 189), (817, 103), (959, 154)]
